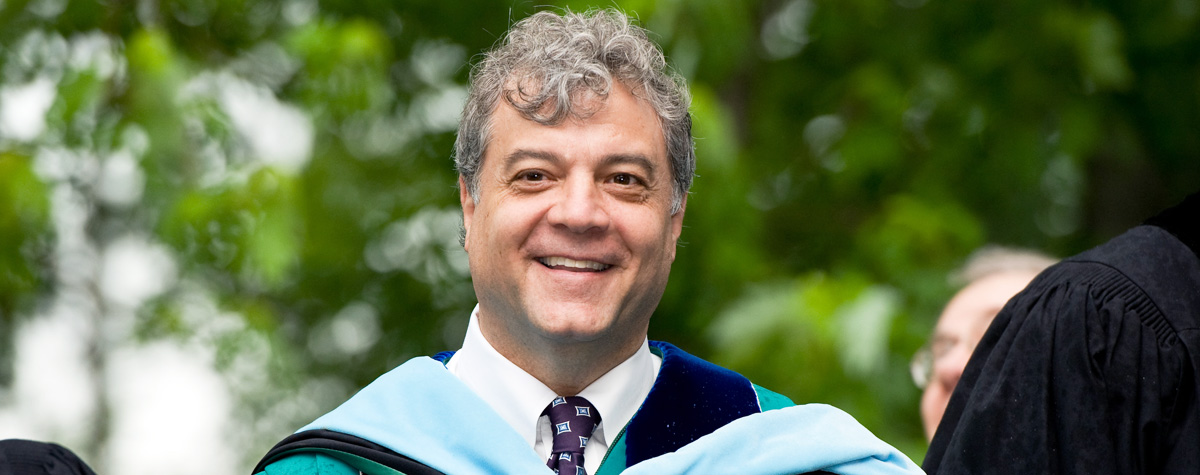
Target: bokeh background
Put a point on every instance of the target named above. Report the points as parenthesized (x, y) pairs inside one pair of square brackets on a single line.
[(219, 218)]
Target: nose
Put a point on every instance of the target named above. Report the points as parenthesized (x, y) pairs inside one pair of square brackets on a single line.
[(949, 368), (580, 207)]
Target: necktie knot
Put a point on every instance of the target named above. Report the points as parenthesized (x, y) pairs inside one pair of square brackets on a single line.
[(572, 420)]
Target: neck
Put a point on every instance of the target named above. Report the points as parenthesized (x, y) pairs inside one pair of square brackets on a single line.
[(569, 371), (566, 367)]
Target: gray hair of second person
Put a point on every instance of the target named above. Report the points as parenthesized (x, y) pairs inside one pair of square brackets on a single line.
[(994, 259), (548, 63)]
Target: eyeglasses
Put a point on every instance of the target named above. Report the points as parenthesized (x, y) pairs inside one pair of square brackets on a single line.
[(939, 349), (921, 367)]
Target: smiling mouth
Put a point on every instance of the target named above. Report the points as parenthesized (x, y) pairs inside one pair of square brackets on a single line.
[(572, 264)]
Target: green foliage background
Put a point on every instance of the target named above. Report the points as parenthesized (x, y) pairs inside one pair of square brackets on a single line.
[(851, 153)]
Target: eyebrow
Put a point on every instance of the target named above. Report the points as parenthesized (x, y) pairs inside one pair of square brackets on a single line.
[(635, 159), (521, 154), (943, 338)]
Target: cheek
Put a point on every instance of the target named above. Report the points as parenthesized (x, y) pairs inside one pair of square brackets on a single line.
[(649, 225), (927, 397), (506, 228), (647, 241), (484, 238), (929, 414), (933, 401)]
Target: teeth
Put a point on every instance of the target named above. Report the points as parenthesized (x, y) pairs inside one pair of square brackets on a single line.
[(565, 262)]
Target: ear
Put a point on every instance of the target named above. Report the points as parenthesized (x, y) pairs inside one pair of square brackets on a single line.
[(677, 227), (468, 209)]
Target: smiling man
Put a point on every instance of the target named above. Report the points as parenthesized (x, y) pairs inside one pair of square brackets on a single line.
[(575, 157), (572, 237)]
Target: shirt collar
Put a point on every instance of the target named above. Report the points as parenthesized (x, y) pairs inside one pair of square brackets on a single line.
[(619, 393), (519, 398)]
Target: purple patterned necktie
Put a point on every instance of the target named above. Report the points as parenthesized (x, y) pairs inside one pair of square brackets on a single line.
[(573, 419)]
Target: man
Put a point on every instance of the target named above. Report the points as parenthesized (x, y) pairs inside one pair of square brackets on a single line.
[(1092, 369), (575, 157), (992, 275)]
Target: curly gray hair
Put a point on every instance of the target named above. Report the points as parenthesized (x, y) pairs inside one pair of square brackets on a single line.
[(563, 57)]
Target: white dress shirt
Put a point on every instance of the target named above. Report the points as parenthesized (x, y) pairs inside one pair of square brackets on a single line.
[(519, 398)]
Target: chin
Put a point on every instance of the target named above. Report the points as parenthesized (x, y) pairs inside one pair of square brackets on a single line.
[(575, 326), (573, 333)]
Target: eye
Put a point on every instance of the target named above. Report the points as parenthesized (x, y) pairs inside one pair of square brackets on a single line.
[(531, 175), (626, 179), (941, 346)]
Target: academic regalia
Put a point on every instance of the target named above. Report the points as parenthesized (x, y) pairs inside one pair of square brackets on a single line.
[(419, 418), (1092, 369)]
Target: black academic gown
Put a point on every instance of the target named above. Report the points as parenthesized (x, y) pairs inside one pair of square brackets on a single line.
[(27, 457), (1092, 369)]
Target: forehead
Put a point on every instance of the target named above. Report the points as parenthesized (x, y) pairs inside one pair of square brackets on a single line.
[(620, 123), (976, 304)]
